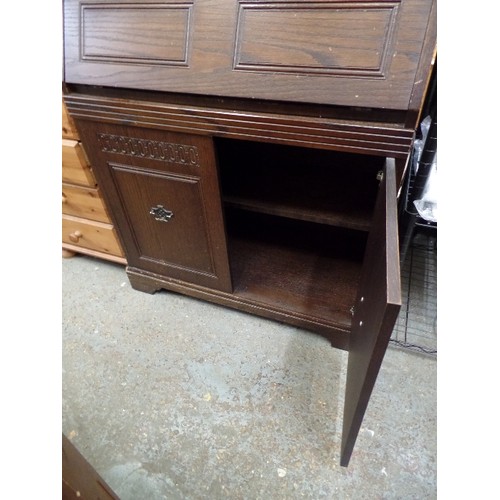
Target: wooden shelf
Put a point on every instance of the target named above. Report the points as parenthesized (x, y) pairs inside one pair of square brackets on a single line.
[(359, 219), (311, 185), (295, 266)]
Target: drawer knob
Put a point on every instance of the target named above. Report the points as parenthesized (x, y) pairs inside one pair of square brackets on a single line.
[(160, 213), (75, 236), (64, 199)]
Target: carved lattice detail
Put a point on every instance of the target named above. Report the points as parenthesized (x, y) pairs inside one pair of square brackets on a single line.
[(180, 154)]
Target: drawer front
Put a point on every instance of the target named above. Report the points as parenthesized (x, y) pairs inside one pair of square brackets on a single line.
[(83, 202), (75, 167), (93, 235), (351, 52)]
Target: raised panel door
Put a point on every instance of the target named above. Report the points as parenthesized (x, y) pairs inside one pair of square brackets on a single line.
[(347, 53), (163, 194)]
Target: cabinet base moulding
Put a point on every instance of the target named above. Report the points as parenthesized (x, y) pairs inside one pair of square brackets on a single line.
[(152, 283)]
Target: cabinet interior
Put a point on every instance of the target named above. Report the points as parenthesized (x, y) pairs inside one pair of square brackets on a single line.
[(297, 221)]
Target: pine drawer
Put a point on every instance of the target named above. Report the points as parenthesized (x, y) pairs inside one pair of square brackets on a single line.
[(75, 166), (83, 202), (78, 234)]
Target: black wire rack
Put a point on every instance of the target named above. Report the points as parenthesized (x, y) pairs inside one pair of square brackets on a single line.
[(416, 326)]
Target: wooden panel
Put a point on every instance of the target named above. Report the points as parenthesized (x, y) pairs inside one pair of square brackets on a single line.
[(68, 125), (79, 478), (347, 53), (83, 202), (379, 139), (93, 235), (75, 167), (327, 187), (141, 171), (180, 241), (302, 268), (375, 311), (424, 73), (276, 36), (153, 33)]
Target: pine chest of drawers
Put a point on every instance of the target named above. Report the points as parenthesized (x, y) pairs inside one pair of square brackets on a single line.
[(86, 226)]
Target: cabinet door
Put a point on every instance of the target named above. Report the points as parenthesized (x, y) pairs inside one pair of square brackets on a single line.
[(163, 194), (375, 311)]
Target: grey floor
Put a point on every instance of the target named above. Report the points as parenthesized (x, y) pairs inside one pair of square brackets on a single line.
[(173, 398)]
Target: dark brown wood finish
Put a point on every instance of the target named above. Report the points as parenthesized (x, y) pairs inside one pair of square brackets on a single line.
[(379, 138), (299, 183), (246, 105), (298, 310), (295, 106), (424, 72), (145, 173), (349, 53), (376, 309), (296, 267), (79, 478)]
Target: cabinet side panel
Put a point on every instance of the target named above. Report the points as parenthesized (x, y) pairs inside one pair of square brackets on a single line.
[(375, 311)]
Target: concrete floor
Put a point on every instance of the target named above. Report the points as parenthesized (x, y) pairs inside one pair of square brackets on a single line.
[(171, 398)]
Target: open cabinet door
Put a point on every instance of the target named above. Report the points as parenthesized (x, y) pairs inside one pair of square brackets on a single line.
[(375, 311)]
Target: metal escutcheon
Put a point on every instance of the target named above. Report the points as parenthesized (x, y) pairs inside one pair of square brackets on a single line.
[(160, 213)]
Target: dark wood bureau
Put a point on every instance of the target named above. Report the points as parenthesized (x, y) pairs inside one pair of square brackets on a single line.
[(251, 153)]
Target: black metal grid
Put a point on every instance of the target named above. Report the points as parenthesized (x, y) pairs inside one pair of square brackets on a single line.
[(416, 326)]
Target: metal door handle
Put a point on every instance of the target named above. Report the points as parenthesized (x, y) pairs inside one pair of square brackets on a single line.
[(161, 213)]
